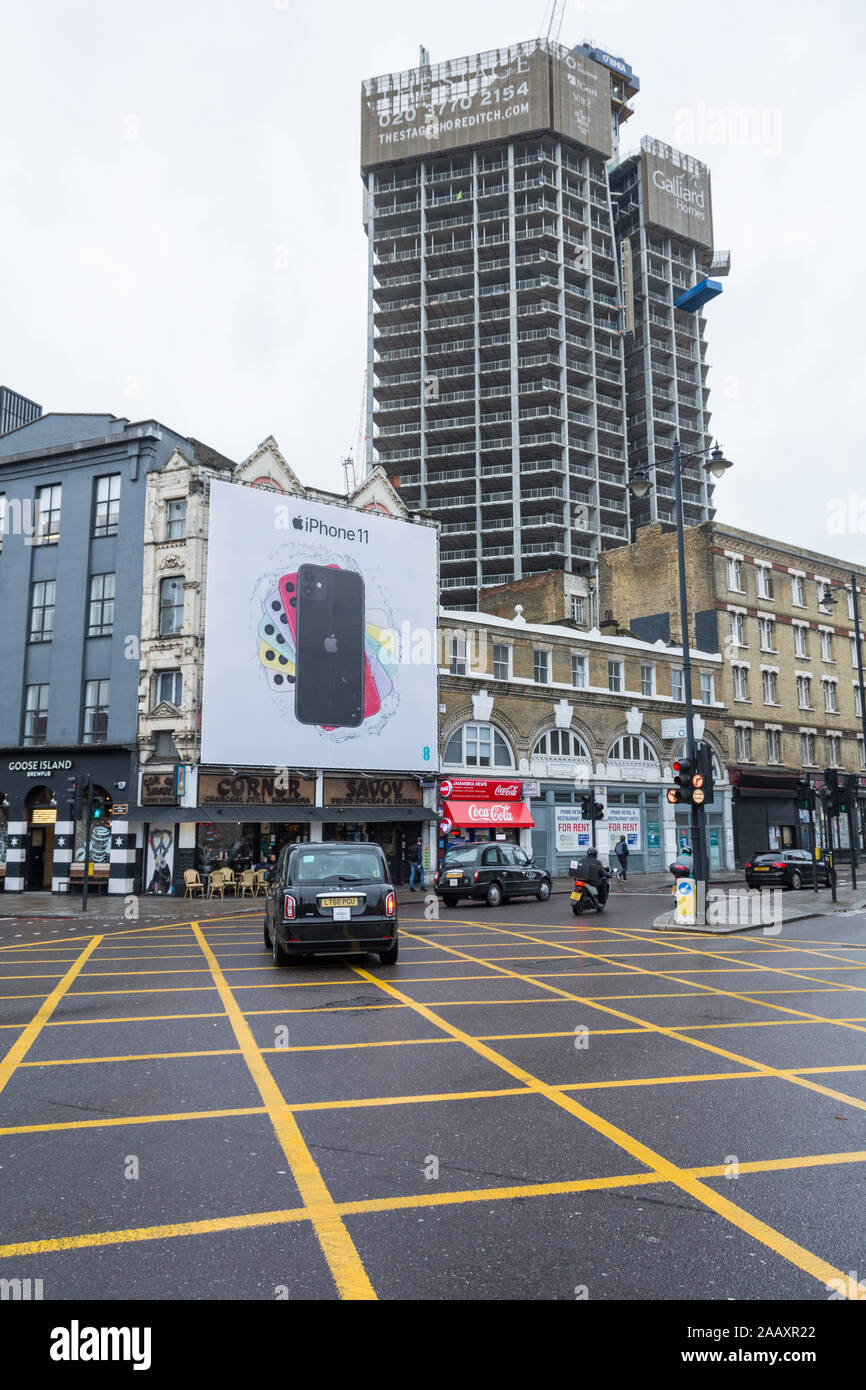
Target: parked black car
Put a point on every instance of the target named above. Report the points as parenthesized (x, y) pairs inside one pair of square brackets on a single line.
[(788, 868), (331, 899), (492, 872)]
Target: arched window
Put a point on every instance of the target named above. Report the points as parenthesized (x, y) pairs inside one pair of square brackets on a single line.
[(477, 745), (680, 752), (561, 743), (631, 749)]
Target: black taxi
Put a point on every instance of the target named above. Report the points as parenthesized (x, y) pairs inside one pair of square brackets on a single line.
[(492, 873)]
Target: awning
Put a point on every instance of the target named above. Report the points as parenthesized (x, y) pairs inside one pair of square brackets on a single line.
[(500, 814), (276, 815)]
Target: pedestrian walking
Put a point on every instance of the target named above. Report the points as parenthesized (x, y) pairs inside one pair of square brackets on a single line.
[(416, 864), (621, 852)]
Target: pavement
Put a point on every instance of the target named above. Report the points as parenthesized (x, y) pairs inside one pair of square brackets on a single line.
[(526, 1106)]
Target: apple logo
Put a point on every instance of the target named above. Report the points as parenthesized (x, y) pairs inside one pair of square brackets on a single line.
[(331, 643), (298, 523)]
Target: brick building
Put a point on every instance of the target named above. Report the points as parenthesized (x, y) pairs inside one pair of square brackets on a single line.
[(789, 676), (570, 709)]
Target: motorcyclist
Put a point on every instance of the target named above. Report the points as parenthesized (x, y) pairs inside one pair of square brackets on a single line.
[(590, 869)]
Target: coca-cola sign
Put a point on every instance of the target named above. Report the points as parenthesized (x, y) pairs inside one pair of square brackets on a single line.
[(481, 788), (501, 813)]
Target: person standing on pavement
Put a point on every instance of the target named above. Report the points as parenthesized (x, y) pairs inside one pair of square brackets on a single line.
[(416, 864), (621, 852)]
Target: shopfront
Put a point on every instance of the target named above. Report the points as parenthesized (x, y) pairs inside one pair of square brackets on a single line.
[(563, 833), (240, 820), (766, 816), (40, 840), (477, 809)]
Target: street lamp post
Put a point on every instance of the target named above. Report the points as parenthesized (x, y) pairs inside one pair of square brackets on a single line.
[(639, 485), (827, 599)]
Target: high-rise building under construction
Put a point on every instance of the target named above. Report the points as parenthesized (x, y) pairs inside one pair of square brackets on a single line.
[(514, 275)]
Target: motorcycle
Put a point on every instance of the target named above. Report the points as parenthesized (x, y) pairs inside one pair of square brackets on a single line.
[(585, 896)]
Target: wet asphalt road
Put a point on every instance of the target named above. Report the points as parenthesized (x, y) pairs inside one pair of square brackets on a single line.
[(527, 1106)]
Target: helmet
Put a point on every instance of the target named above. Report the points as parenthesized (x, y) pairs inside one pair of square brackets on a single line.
[(591, 852)]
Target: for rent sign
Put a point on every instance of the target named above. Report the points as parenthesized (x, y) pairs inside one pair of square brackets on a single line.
[(572, 831), (627, 825)]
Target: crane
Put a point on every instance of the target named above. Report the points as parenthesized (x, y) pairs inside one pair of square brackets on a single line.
[(557, 12)]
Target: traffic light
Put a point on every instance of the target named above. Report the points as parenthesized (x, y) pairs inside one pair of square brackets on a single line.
[(586, 807), (705, 768), (805, 795), (73, 798), (831, 789), (101, 810), (842, 795), (597, 811), (683, 774)]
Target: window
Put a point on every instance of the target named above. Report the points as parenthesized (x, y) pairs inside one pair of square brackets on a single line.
[(501, 661), (101, 619), (631, 749), (861, 749), (821, 585), (35, 715), (733, 568), (541, 668), (854, 665), (171, 608), (614, 675), (577, 609), (560, 743), (2, 517), (579, 676), (48, 514), (763, 581), (858, 700), (678, 688), (803, 696), (42, 610), (800, 648), (647, 679), (798, 591), (736, 622), (169, 687), (765, 630), (741, 677), (826, 646), (457, 656), (175, 519), (107, 511), (478, 745), (849, 594), (830, 697), (774, 749), (96, 711), (744, 744), (834, 750), (807, 750), (708, 688), (770, 687)]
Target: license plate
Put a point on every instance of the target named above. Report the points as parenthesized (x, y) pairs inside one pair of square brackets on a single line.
[(342, 914), (576, 897), (339, 902), (761, 869), (454, 878)]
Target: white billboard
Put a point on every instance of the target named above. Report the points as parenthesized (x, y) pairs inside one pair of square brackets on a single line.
[(320, 636)]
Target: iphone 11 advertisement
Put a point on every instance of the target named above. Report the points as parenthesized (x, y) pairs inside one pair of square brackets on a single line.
[(320, 636)]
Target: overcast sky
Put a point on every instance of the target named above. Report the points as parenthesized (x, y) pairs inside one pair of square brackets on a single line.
[(181, 218)]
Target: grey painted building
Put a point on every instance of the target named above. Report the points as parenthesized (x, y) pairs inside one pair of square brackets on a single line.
[(72, 503)]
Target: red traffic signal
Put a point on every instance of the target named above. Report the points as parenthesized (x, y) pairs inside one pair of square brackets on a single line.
[(683, 775)]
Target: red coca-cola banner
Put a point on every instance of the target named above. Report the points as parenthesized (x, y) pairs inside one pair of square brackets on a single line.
[(481, 789), (464, 814)]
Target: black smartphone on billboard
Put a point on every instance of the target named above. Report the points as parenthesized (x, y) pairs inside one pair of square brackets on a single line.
[(329, 647)]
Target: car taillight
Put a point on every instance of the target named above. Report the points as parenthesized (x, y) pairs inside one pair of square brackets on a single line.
[(288, 907), (748, 866), (436, 876), (475, 877), (780, 864), (390, 905)]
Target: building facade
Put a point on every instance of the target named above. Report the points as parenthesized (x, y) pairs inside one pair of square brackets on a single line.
[(789, 676), (664, 225), (192, 815), (73, 496), (495, 372), (568, 711)]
